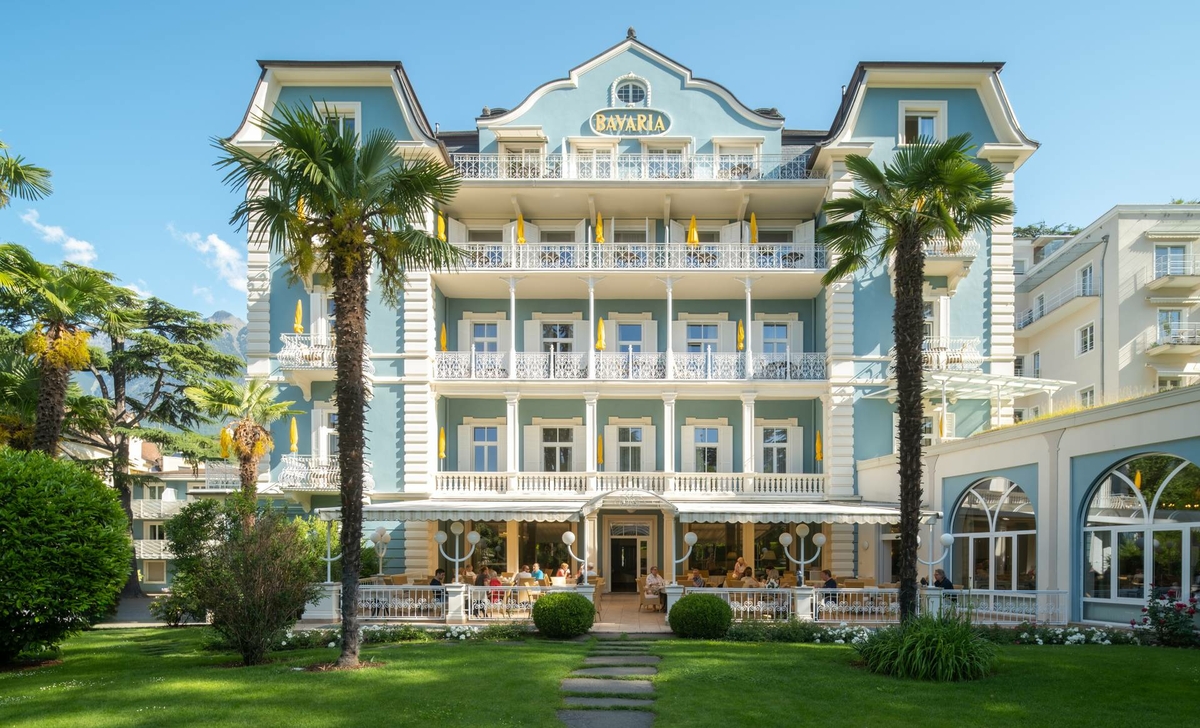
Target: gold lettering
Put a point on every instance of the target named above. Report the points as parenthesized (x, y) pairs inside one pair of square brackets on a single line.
[(622, 122), (641, 122), (658, 124), (600, 123)]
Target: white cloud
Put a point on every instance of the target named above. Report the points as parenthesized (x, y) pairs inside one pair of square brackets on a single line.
[(141, 288), (219, 255), (203, 293), (74, 249)]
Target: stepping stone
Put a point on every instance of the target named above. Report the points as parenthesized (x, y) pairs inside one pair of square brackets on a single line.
[(615, 671), (623, 660), (608, 703), (606, 718), (601, 685)]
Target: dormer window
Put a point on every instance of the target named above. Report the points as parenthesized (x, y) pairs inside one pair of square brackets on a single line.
[(922, 120), (631, 92), (344, 117)]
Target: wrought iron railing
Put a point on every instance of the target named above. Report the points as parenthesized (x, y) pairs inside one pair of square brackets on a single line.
[(219, 476), (947, 354), (156, 509), (798, 366), (795, 485), (314, 351), (503, 603), (1045, 305), (405, 602), (941, 248), (710, 365), (634, 167), (752, 605), (802, 366), (311, 473), (643, 256)]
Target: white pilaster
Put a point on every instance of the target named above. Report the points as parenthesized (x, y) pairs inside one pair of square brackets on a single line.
[(669, 282), (419, 553), (1002, 282), (748, 432), (591, 354), (420, 412), (669, 432), (669, 546), (258, 296), (512, 444), (512, 328), (838, 435), (841, 549), (589, 427), (748, 328)]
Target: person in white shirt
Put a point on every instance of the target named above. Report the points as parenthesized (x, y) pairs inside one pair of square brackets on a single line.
[(656, 586), (524, 573)]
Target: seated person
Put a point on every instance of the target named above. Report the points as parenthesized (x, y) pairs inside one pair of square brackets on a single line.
[(481, 579), (537, 572), (739, 568), (940, 581), (467, 574), (697, 579), (524, 573), (589, 573), (563, 570), (656, 586), (830, 582), (748, 580), (438, 580), (772, 573)]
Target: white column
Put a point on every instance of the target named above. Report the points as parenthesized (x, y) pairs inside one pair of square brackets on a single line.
[(591, 540), (838, 434), (748, 438), (669, 432), (670, 282), (512, 445), (749, 328), (591, 354), (669, 546), (589, 427), (512, 328)]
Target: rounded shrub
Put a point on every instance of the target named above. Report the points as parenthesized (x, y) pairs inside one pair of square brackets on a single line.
[(700, 616), (563, 615), (64, 551), (946, 648)]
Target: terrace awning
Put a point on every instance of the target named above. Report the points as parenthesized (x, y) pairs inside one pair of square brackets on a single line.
[(977, 385), (462, 510), (793, 513)]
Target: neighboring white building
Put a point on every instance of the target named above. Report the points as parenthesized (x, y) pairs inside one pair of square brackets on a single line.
[(1112, 309)]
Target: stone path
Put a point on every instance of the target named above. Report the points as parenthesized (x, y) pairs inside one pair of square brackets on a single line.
[(610, 690)]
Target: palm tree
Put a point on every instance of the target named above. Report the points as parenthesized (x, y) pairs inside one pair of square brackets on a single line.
[(246, 412), (18, 177), (930, 190), (56, 305), (331, 201)]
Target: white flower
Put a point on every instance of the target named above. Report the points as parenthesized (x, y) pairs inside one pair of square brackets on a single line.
[(331, 644), (839, 642)]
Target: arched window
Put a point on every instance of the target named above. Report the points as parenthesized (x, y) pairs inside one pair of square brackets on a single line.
[(995, 538), (631, 92), (1142, 527)]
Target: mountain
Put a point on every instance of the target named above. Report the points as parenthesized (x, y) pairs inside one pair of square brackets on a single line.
[(233, 341)]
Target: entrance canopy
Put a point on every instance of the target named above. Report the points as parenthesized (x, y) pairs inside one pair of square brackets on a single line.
[(793, 513), (977, 385), (462, 510)]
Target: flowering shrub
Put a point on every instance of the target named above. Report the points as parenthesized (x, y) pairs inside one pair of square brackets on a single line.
[(1168, 621), (374, 634), (795, 631), (1033, 634)]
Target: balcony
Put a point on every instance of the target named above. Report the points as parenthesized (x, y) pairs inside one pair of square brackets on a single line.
[(307, 358), (315, 474), (629, 366), (635, 167), (219, 477), (1056, 306), (1180, 271), (943, 261), (641, 256), (1177, 339), (792, 485), (947, 354), (144, 548), (154, 509)]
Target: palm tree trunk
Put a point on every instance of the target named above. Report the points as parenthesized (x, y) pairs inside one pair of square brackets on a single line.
[(52, 400), (120, 459), (350, 297), (908, 330)]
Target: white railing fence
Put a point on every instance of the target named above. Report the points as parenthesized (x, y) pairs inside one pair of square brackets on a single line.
[(941, 248), (1180, 334), (315, 473), (220, 475), (1177, 265), (539, 365), (701, 167), (1004, 607), (408, 603), (751, 605), (799, 485), (503, 603), (740, 255), (791, 366), (856, 606), (1044, 305), (314, 351), (948, 354)]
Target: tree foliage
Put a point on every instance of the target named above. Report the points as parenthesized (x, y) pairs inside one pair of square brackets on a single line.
[(21, 179), (1041, 228), (64, 551), (930, 190)]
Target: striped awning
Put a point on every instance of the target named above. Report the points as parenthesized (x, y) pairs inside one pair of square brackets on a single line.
[(794, 513), (462, 510)]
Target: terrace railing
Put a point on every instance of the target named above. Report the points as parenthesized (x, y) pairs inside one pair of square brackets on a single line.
[(1177, 265), (312, 473), (406, 603), (503, 603), (1048, 304), (634, 167), (643, 256), (802, 486), (752, 605), (314, 351)]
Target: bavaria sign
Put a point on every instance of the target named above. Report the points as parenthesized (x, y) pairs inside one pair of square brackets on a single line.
[(630, 122)]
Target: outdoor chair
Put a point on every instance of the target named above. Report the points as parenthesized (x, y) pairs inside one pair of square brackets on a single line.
[(854, 584), (643, 600), (733, 582)]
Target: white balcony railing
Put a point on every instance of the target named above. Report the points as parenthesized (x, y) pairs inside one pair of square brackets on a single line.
[(802, 366), (642, 256), (314, 474), (154, 509), (538, 365), (940, 248), (314, 351), (1177, 265), (404, 602), (219, 476), (948, 354), (795, 485), (750, 605), (1045, 305), (145, 548), (694, 167), (710, 365), (1181, 334)]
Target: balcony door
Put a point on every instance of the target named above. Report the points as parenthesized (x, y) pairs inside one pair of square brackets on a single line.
[(1169, 260), (482, 445)]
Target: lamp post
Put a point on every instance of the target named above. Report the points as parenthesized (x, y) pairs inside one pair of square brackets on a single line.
[(381, 538), (568, 538), (690, 538), (456, 528), (785, 540), (947, 540)]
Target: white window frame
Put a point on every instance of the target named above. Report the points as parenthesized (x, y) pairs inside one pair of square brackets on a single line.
[(1079, 349), (1178, 382), (1169, 247), (341, 109), (1024, 266), (939, 110), (641, 340), (1035, 364), (573, 339), (322, 429), (1035, 412), (1158, 323), (1019, 414), (146, 571), (760, 345), (557, 445), (716, 341), (774, 447), (639, 446), (1091, 274), (499, 428), (147, 525), (154, 491), (714, 446), (476, 339), (1089, 392)]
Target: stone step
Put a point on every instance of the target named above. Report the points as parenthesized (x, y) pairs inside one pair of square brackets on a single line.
[(574, 702), (606, 718), (621, 648), (614, 671), (622, 660), (602, 685)]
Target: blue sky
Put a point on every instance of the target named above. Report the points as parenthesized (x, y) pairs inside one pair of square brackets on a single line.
[(120, 99)]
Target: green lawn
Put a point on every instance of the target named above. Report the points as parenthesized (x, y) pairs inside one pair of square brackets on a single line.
[(723, 684), (162, 678)]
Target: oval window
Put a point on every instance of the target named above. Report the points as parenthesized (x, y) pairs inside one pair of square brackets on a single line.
[(631, 93)]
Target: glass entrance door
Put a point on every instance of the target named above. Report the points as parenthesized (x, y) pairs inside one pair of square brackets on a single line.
[(624, 554)]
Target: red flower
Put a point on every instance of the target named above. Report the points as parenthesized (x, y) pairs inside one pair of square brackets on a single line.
[(1178, 606), (1191, 611), (1144, 610), (1145, 620), (1192, 599), (1170, 593), (1133, 623)]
